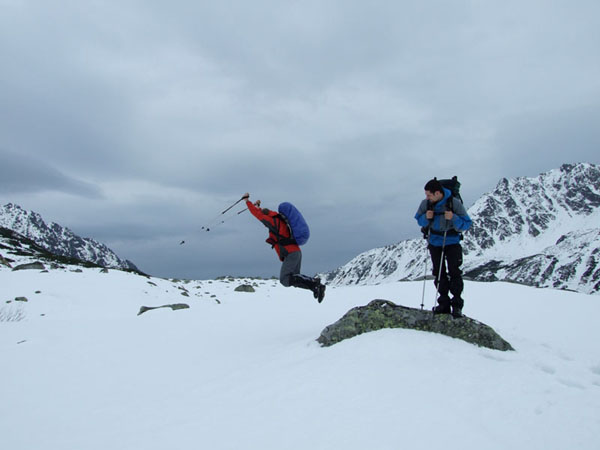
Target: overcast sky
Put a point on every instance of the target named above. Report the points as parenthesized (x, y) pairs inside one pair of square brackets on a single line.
[(137, 122)]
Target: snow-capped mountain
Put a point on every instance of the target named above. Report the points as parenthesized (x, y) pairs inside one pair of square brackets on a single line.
[(59, 240), (542, 231)]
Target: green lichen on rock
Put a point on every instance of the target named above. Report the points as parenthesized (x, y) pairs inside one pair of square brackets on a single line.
[(244, 288), (379, 314)]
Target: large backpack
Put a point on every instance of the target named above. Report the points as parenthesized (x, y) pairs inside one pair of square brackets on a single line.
[(298, 226), (453, 185)]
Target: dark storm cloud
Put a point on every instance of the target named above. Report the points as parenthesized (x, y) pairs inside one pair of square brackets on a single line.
[(167, 112)]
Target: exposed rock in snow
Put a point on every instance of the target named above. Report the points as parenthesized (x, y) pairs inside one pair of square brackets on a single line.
[(174, 307), (380, 314)]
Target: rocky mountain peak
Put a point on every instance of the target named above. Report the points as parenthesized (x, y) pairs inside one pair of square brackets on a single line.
[(59, 240)]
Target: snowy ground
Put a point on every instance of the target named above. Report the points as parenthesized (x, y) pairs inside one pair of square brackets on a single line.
[(83, 371)]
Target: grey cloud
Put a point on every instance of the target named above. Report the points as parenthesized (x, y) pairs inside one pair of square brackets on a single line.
[(24, 174), (342, 107), (545, 140)]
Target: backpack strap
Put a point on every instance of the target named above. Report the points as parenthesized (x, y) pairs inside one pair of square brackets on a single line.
[(280, 240), (428, 229), (449, 207)]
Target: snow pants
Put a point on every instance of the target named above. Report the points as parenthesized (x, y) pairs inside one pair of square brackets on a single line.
[(451, 274), (291, 266), (290, 273)]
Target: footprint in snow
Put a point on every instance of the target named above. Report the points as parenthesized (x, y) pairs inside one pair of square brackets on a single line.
[(571, 384), (493, 357), (546, 368)]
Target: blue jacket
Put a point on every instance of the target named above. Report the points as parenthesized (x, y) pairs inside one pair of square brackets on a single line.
[(460, 222)]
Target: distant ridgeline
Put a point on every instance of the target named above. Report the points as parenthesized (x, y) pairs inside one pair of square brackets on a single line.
[(542, 231), (59, 240)]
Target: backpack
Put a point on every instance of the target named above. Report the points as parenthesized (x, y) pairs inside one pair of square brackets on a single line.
[(296, 223), (453, 185)]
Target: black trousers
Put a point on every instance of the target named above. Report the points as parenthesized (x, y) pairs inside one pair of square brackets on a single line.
[(451, 275)]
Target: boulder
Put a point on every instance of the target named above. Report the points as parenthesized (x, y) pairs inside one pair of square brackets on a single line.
[(380, 314), (174, 307), (32, 266), (244, 288)]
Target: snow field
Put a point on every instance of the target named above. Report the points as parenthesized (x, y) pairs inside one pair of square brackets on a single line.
[(247, 373)]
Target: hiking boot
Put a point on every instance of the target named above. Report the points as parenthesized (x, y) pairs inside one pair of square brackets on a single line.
[(457, 306), (439, 309), (457, 312), (321, 295), (316, 288), (443, 306)]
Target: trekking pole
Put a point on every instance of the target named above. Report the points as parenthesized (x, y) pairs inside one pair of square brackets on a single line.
[(424, 281), (233, 205), (225, 219), (207, 227), (425, 231), (439, 276)]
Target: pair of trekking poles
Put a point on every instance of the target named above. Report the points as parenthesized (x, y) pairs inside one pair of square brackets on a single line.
[(219, 220), (215, 222), (439, 275)]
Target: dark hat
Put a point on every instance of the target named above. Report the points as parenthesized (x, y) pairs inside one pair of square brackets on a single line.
[(434, 186)]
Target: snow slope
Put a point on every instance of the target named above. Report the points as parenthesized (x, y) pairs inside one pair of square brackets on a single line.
[(243, 371)]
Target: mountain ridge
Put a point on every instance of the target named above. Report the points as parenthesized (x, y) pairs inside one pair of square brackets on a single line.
[(540, 231), (60, 240)]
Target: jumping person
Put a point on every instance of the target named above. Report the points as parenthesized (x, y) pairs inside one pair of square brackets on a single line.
[(288, 251), (445, 217)]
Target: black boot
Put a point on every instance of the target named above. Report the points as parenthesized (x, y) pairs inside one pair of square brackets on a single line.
[(457, 306), (312, 284), (321, 295), (443, 306)]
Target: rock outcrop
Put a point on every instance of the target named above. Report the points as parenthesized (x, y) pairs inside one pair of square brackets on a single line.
[(380, 314), (32, 266), (244, 288), (174, 307)]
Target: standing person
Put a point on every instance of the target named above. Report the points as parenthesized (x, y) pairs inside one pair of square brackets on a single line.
[(288, 251), (445, 217)]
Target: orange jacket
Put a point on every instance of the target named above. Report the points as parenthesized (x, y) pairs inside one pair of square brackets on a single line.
[(273, 222)]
